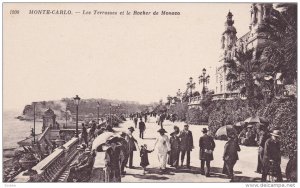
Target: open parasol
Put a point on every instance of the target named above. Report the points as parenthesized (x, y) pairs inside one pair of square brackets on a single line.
[(101, 139), (225, 130), (256, 119)]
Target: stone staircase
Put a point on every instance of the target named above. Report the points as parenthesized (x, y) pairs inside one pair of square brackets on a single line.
[(64, 176)]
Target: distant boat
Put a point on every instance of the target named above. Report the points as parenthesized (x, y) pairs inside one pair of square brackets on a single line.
[(21, 118)]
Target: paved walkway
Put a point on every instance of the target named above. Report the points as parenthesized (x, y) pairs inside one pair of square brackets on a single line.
[(244, 169)]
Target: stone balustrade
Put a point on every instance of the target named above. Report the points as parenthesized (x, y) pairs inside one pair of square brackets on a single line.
[(195, 100), (50, 167), (228, 96)]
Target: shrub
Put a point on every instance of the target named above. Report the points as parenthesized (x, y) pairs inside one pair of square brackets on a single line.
[(180, 109), (281, 113)]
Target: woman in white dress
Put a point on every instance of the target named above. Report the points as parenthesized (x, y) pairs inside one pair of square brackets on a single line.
[(162, 144)]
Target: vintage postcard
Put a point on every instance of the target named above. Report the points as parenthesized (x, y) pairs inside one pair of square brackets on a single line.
[(150, 92)]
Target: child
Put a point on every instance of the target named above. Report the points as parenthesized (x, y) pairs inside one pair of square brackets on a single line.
[(144, 157)]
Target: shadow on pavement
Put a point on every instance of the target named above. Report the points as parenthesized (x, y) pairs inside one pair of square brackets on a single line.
[(217, 173), (246, 179), (151, 177), (168, 171)]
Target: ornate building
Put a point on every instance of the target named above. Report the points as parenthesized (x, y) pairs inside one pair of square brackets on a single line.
[(255, 39)]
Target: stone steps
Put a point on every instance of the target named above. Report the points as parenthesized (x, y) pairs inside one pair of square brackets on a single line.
[(63, 177)]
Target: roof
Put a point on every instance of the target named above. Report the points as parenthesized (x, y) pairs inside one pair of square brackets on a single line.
[(49, 112)]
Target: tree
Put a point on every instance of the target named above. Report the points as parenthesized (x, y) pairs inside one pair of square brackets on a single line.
[(169, 99), (241, 74), (281, 55), (196, 93)]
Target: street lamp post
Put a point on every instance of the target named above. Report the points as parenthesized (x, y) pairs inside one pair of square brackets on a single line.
[(66, 118), (191, 86), (34, 103), (98, 107), (110, 119), (204, 79), (76, 100)]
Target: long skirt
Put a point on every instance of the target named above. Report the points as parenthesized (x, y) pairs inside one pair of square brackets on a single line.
[(174, 157), (162, 158)]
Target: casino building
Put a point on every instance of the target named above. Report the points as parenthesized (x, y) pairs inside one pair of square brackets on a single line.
[(255, 39)]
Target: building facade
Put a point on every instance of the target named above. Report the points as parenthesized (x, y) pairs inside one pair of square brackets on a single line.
[(256, 38)]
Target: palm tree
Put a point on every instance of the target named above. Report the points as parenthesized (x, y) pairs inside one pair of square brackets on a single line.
[(169, 99), (241, 74), (281, 54)]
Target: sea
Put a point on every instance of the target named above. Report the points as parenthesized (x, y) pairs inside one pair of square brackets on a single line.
[(15, 130)]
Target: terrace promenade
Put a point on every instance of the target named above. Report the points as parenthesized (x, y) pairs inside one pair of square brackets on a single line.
[(55, 165)]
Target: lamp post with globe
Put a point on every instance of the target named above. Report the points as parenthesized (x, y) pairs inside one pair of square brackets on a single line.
[(76, 100), (204, 79)]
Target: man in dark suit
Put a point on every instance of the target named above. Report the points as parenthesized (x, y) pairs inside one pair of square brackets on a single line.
[(230, 155), (272, 156), (207, 145), (114, 156), (142, 128), (186, 144), (262, 138), (124, 147), (131, 145)]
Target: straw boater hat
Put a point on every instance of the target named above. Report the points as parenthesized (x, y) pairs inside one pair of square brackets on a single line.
[(276, 133), (250, 126), (204, 130), (162, 131)]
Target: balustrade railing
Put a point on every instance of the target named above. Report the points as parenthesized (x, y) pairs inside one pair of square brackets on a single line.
[(228, 96), (195, 100), (50, 167)]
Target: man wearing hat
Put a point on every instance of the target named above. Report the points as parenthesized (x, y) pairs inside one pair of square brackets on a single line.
[(272, 155), (230, 155), (262, 138), (113, 159), (142, 128), (124, 148), (186, 144), (207, 146), (131, 145), (162, 144)]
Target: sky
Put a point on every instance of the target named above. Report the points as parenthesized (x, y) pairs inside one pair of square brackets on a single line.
[(134, 58)]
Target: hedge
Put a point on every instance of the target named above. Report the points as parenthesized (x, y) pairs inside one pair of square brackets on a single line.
[(281, 113)]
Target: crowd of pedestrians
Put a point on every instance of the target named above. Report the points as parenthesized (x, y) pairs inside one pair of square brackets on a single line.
[(174, 150)]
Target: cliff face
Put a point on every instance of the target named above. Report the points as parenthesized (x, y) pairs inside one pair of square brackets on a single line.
[(87, 107), (42, 106)]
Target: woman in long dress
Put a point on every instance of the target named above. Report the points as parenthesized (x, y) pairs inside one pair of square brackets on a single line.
[(175, 148), (162, 144)]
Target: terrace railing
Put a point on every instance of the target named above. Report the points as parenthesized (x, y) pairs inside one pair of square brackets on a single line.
[(49, 169)]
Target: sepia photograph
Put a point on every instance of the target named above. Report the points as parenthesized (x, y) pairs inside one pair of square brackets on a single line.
[(150, 93)]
